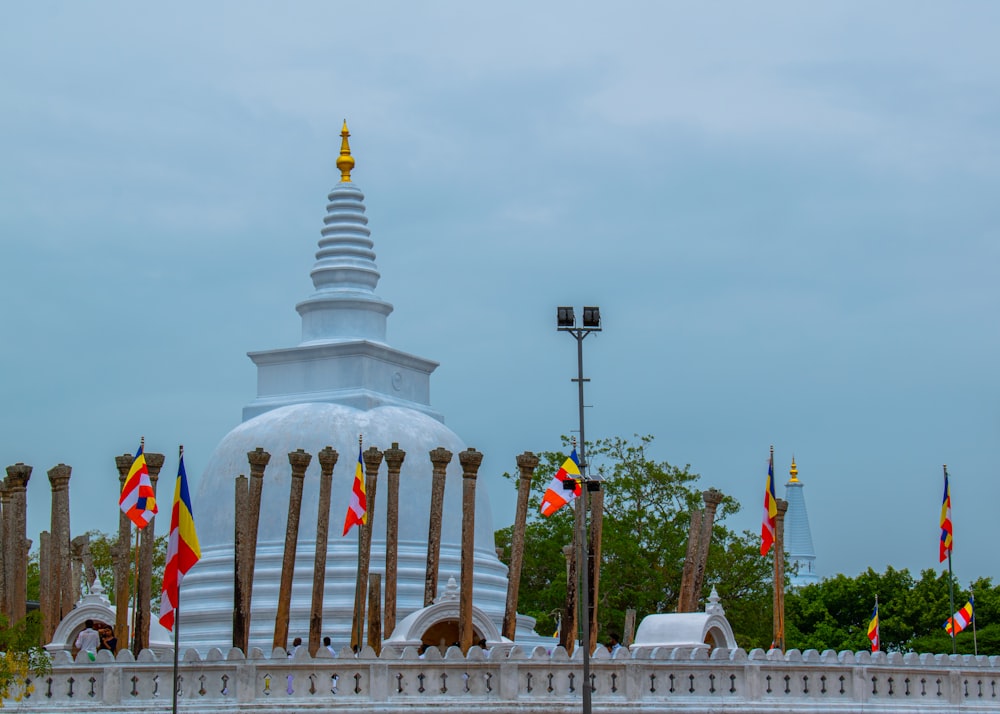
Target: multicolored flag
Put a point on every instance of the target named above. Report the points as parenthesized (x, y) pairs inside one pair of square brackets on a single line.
[(961, 619), (183, 550), (357, 510), (557, 496), (138, 501), (769, 522), (873, 630), (945, 547)]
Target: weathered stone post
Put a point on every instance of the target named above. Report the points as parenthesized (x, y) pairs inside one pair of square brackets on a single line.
[(240, 506), (375, 613), (3, 551), (394, 457), (440, 458), (83, 565), (144, 586), (15, 510), (526, 464), (470, 459), (712, 498), (567, 637), (299, 461), (779, 574), (46, 603), (327, 460), (594, 558), (373, 460), (686, 594), (121, 554), (629, 634), (258, 459), (61, 569)]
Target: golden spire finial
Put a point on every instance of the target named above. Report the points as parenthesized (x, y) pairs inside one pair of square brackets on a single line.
[(345, 162), (794, 471)]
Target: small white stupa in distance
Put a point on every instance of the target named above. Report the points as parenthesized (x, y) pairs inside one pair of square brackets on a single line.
[(798, 536), (343, 380)]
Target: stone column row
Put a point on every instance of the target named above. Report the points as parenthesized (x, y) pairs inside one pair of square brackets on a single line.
[(15, 545)]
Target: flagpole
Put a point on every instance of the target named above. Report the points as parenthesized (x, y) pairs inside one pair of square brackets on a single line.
[(135, 592), (951, 579), (975, 644), (177, 611)]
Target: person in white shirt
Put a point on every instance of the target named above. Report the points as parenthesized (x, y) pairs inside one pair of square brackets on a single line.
[(88, 640), (330, 648)]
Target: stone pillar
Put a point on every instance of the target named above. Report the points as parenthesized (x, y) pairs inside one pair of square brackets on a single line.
[(327, 460), (594, 558), (61, 568), (3, 552), (470, 459), (629, 633), (241, 503), (258, 459), (394, 457), (570, 617), (299, 461), (440, 458), (686, 594), (567, 625), (83, 565), (712, 498), (45, 600), (373, 460), (144, 586), (779, 575), (122, 557), (375, 613), (526, 464), (15, 511)]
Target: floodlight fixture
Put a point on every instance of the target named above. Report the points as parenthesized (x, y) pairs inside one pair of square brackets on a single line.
[(592, 317), (565, 317)]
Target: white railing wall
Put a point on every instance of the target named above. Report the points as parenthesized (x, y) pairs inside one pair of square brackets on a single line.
[(658, 680)]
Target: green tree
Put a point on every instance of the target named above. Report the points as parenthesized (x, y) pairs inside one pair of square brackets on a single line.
[(20, 656), (647, 507), (834, 613)]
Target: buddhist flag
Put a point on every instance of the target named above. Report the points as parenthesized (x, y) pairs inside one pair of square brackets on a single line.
[(945, 548), (873, 630), (138, 501), (357, 510), (183, 550), (961, 619), (557, 496), (769, 521)]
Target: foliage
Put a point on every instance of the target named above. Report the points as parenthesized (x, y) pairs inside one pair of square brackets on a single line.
[(647, 507), (21, 657), (101, 549), (834, 614)]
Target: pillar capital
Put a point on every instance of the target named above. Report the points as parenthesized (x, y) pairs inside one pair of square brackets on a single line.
[(59, 477), (782, 505), (713, 497), (327, 459), (258, 459), (154, 462), (470, 459), (17, 477), (124, 463), (440, 457), (394, 457), (299, 461), (527, 463), (373, 459)]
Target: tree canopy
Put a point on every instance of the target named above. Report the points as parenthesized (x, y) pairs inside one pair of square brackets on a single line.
[(647, 506)]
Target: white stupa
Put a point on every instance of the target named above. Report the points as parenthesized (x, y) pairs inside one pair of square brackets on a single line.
[(798, 536), (343, 380)]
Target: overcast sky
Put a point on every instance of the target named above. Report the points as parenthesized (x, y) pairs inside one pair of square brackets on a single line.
[(787, 213)]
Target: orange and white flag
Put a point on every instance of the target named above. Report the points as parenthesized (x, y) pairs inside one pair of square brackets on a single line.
[(357, 510), (557, 495)]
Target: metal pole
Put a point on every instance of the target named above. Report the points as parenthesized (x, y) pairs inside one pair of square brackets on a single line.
[(581, 535)]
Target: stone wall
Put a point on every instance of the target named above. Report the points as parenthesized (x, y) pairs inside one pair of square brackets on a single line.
[(675, 680)]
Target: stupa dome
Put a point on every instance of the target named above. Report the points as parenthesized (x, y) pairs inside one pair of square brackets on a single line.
[(343, 380)]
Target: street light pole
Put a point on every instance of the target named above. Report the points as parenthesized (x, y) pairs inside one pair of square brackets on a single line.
[(566, 322)]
